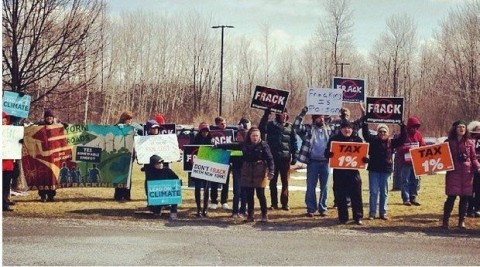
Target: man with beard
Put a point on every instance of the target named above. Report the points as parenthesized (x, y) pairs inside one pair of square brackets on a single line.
[(315, 138)]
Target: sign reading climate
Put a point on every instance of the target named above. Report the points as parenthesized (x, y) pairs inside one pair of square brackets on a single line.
[(384, 109), (269, 98), (353, 89)]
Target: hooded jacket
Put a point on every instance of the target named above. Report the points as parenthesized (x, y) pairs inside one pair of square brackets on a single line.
[(412, 140)]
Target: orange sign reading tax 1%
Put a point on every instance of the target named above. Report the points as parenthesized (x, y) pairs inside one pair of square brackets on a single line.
[(432, 158), (348, 155)]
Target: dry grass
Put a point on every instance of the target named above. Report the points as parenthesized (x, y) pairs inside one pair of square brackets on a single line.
[(98, 203)]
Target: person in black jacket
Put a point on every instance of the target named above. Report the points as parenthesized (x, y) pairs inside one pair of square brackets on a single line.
[(347, 182), (203, 137), (283, 143), (380, 165)]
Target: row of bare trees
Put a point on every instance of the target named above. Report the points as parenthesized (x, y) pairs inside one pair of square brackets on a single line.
[(71, 56)]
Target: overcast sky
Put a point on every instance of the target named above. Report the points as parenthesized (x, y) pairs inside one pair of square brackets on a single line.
[(295, 21)]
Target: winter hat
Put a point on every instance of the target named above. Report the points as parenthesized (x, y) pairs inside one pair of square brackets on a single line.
[(203, 126), (160, 118), (346, 124), (244, 123), (151, 124), (5, 115), (412, 122), (48, 113), (474, 127), (155, 159), (459, 122), (384, 127)]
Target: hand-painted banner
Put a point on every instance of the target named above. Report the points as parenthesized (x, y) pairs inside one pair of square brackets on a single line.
[(324, 101), (11, 147), (189, 154), (211, 164), (432, 158), (49, 151), (163, 145), (384, 110), (269, 98), (348, 155), (353, 89), (16, 105), (164, 192)]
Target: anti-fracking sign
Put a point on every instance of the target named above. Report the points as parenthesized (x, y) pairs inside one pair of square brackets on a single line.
[(353, 89), (269, 98), (324, 101), (384, 110), (226, 136)]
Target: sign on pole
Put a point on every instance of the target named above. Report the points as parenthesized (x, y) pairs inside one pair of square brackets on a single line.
[(324, 101), (16, 105), (269, 98), (432, 158), (353, 89), (211, 165), (384, 110), (164, 192), (163, 145), (348, 155)]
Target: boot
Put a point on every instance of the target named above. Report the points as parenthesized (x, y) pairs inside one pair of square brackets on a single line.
[(461, 223), (447, 210), (445, 223)]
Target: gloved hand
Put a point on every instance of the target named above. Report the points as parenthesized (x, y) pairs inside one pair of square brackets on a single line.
[(365, 160), (270, 176), (21, 94), (20, 141), (293, 161), (304, 110), (267, 112), (330, 154)]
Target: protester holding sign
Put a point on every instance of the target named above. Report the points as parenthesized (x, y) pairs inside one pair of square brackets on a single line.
[(203, 137), (315, 137), (220, 124), (7, 173), (124, 193), (473, 209), (459, 182), (411, 183), (347, 182), (380, 165), (282, 140)]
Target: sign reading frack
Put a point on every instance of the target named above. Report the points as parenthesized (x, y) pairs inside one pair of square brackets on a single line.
[(324, 101), (269, 98), (384, 110), (353, 89), (167, 128)]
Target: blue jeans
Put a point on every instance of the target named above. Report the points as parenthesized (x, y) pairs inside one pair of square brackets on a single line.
[(378, 184), (316, 171), (411, 183)]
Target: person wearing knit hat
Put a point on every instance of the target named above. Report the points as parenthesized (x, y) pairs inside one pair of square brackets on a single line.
[(473, 207), (459, 181), (410, 182), (160, 118), (48, 117), (203, 137), (380, 166), (281, 138)]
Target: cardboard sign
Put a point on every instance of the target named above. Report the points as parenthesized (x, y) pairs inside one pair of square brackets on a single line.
[(353, 89), (348, 155), (324, 101), (11, 148), (15, 105), (163, 145), (88, 154), (384, 110), (222, 136), (164, 192), (269, 98), (432, 158), (211, 165), (167, 129), (189, 154)]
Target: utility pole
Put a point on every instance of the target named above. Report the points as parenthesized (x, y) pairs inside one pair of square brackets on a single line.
[(341, 68), (221, 68)]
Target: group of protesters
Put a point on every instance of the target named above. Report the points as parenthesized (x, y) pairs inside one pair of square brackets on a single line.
[(269, 150)]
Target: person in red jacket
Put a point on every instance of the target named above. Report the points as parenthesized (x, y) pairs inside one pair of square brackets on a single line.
[(7, 172), (411, 183), (459, 182)]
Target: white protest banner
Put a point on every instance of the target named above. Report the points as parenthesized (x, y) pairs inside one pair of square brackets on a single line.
[(163, 145), (324, 101), (11, 135)]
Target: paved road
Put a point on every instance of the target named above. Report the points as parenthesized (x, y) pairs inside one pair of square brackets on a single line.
[(33, 241)]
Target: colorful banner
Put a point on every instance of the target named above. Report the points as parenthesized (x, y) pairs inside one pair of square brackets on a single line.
[(348, 155), (269, 98), (431, 159), (211, 164), (11, 147), (50, 156), (384, 110), (353, 89), (164, 192), (324, 101), (163, 145), (16, 105), (189, 155)]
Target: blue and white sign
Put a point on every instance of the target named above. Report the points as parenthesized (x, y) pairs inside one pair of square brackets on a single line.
[(15, 105), (164, 192)]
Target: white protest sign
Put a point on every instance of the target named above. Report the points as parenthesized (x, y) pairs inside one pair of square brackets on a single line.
[(324, 101), (210, 171), (164, 145), (11, 148)]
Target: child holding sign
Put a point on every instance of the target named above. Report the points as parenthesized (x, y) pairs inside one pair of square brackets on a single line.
[(459, 182)]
